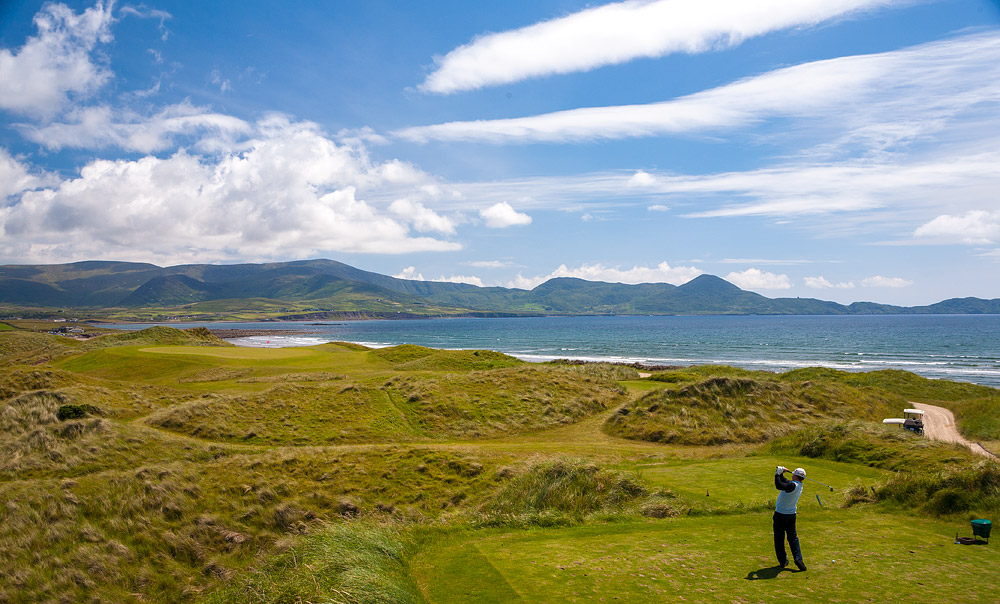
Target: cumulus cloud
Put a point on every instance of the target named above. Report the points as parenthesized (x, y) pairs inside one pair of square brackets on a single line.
[(641, 179), (976, 227), (410, 273), (38, 78), (99, 127), (501, 215), (422, 219), (879, 99), (880, 281), (621, 32), (16, 178), (661, 273), (823, 283), (659, 207), (754, 278), (288, 191)]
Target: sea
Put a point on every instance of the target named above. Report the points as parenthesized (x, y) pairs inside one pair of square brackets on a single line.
[(956, 347)]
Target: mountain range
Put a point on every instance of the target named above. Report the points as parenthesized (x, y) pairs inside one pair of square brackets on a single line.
[(325, 288)]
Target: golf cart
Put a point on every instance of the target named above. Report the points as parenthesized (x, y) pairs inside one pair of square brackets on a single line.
[(912, 420)]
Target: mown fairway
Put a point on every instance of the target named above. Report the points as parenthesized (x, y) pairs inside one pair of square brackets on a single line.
[(167, 466), (852, 557)]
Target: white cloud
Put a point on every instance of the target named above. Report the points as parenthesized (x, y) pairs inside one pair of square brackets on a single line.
[(16, 178), (289, 191), (976, 227), (823, 283), (661, 273), (224, 84), (754, 278), (502, 215), (489, 264), (879, 99), (467, 279), (410, 273), (143, 12), (621, 32), (98, 127), (880, 281), (641, 179), (39, 77), (422, 219), (658, 208)]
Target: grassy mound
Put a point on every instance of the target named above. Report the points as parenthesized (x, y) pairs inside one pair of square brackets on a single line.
[(873, 445), (501, 401), (606, 371), (348, 562), (548, 493), (19, 347), (724, 410), (159, 335), (467, 405), (409, 357), (972, 491), (169, 532), (291, 414)]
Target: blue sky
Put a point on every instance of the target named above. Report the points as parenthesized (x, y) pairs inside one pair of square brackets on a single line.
[(840, 149)]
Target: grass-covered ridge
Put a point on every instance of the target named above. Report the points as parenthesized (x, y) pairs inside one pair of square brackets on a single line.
[(722, 410), (165, 467)]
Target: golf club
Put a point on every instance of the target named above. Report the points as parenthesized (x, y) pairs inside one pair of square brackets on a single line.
[(807, 478), (818, 482)]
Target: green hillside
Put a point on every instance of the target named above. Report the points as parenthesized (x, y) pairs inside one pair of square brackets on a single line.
[(328, 289)]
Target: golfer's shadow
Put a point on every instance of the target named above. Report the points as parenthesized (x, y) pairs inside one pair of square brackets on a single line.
[(766, 573)]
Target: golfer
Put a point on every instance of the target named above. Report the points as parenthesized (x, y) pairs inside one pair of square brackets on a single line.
[(784, 515)]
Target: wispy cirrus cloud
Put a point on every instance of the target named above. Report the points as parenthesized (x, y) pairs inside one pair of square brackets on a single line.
[(876, 100), (102, 127), (624, 31), (880, 281)]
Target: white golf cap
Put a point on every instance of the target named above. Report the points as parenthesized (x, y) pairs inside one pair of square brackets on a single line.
[(799, 472)]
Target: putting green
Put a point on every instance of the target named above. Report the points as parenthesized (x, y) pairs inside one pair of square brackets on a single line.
[(853, 556)]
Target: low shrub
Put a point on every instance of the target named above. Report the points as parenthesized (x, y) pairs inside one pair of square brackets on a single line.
[(965, 490), (66, 412)]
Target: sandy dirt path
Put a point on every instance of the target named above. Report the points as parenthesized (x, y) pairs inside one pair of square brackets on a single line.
[(939, 424)]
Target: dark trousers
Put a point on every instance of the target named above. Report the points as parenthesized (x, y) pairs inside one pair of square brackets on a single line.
[(784, 525)]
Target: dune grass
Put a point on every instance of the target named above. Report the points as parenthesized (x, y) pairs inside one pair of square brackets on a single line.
[(722, 410), (163, 466)]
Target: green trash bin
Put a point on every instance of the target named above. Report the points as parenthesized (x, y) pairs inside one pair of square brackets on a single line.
[(982, 528)]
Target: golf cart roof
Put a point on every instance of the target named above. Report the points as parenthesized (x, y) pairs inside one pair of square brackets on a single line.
[(893, 420), (917, 411)]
